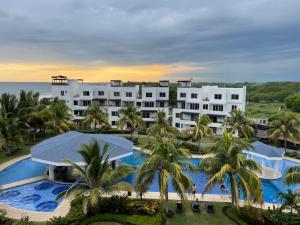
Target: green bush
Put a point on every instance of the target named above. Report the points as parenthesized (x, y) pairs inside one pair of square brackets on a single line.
[(115, 204), (195, 148), (59, 221), (292, 102), (251, 215), (23, 221), (184, 136)]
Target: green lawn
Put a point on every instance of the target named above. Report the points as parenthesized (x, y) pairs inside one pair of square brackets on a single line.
[(264, 110), (202, 218)]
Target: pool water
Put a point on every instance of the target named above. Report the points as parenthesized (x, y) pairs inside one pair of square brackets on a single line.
[(36, 196), (271, 188), (22, 170)]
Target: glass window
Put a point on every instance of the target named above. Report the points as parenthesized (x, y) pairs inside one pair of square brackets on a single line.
[(235, 96), (194, 95), (128, 94), (101, 93), (116, 94), (182, 95), (148, 94), (218, 96)]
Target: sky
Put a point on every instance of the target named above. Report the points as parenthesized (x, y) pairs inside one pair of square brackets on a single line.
[(142, 40)]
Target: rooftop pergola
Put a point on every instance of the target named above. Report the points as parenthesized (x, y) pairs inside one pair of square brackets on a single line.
[(266, 153), (56, 150)]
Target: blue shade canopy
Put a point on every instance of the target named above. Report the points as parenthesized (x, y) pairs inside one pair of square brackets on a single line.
[(265, 151), (56, 150)]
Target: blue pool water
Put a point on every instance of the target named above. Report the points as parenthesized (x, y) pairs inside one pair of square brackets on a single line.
[(22, 170), (36, 196), (271, 188)]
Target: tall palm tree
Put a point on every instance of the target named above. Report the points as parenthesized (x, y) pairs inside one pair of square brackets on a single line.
[(230, 162), (57, 116), (97, 177), (166, 162), (130, 117), (293, 175), (8, 106), (96, 115), (238, 122), (290, 200), (201, 129), (285, 125), (162, 126)]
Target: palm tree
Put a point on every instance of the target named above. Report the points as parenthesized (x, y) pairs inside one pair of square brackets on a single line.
[(230, 162), (162, 126), (8, 106), (130, 117), (57, 116), (96, 115), (285, 125), (293, 175), (166, 162), (238, 122), (201, 129), (97, 177), (290, 200)]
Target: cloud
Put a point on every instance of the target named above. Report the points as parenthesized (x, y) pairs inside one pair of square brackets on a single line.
[(227, 37)]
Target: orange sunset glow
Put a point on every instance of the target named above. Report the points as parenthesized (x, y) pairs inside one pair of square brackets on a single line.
[(43, 72)]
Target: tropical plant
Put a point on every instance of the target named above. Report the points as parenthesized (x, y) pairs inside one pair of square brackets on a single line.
[(290, 200), (23, 221), (97, 177), (8, 105), (96, 115), (162, 126), (201, 129), (293, 175), (238, 122), (229, 162), (130, 117), (57, 117), (166, 162), (285, 125)]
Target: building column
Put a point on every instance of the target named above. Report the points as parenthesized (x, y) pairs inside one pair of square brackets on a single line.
[(51, 172), (263, 166)]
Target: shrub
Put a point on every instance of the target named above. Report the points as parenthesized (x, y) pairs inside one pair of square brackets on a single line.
[(251, 215), (184, 136), (58, 221), (146, 207), (115, 204), (23, 221), (195, 148)]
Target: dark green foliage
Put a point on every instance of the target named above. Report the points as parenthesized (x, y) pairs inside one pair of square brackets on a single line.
[(23, 221), (115, 204), (184, 136), (292, 102), (58, 221), (195, 148)]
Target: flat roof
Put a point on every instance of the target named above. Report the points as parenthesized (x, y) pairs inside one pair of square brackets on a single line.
[(265, 151), (55, 150)]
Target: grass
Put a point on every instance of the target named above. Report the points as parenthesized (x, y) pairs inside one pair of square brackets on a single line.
[(202, 218), (4, 158), (264, 110), (105, 223), (120, 218)]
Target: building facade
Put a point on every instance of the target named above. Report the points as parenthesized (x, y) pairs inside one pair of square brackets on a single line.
[(79, 96), (214, 101)]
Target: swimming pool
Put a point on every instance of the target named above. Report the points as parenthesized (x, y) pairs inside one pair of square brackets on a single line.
[(271, 188), (36, 196), (22, 170)]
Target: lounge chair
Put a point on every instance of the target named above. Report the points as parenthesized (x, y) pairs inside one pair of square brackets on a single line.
[(210, 208), (179, 207), (196, 207)]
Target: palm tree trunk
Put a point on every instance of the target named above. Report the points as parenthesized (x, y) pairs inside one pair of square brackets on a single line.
[(167, 199), (285, 143), (234, 193), (199, 145)]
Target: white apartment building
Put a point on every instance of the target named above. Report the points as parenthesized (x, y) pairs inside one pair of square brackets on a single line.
[(79, 96), (216, 102)]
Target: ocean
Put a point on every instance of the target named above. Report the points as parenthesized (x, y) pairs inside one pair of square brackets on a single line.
[(43, 88)]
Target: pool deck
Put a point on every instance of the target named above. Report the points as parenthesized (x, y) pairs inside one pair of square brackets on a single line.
[(64, 207)]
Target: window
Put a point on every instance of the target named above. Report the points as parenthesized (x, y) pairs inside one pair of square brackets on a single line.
[(148, 94), (62, 93), (177, 115), (162, 94), (146, 115), (116, 94), (182, 95), (114, 113), (218, 108), (194, 106), (218, 96), (205, 106), (138, 104), (235, 96), (149, 104), (177, 125), (86, 93), (113, 123), (86, 103), (233, 107), (193, 95), (101, 93), (128, 94), (75, 102), (161, 104)]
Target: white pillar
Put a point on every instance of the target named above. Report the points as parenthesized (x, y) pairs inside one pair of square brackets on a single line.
[(263, 166), (252, 156), (276, 167), (51, 172)]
